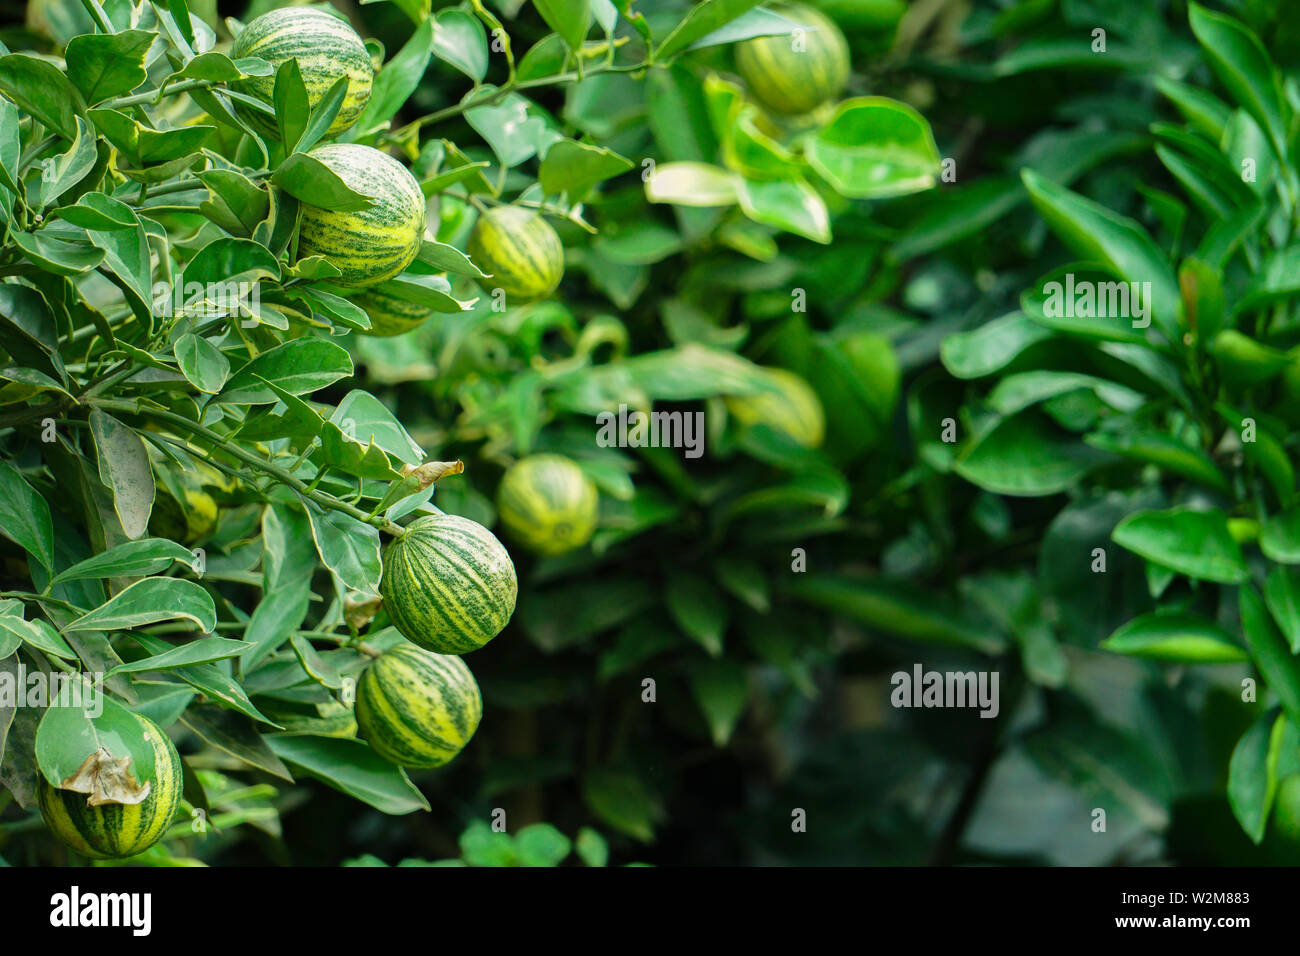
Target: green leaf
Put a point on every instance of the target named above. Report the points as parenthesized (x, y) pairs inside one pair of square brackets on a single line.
[(892, 607), (61, 173), (874, 147), (792, 205), (991, 347), (1252, 775), (234, 734), (1280, 667), (1282, 594), (10, 152), (292, 108), (1204, 111), (743, 578), (398, 78), (1096, 233), (574, 168), (701, 20), (639, 243), (299, 366), (107, 65), (699, 610), (1185, 638), (67, 735), (481, 845), (323, 114), (1025, 456), (38, 633), (311, 181), (459, 40), (365, 419), (571, 19), (149, 601), (281, 611), (348, 547), (25, 515), (721, 688), (1243, 67), (622, 801), (128, 560), (447, 258), (1279, 538), (95, 210), (352, 768), (163, 703), (959, 212), (540, 844), (201, 363), (1165, 451), (41, 89), (509, 129), (692, 184), (209, 679), (596, 606), (1195, 543), (125, 470), (202, 651), (679, 116), (592, 847)]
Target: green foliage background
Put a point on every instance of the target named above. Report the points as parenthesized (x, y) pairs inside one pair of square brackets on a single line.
[(1120, 689)]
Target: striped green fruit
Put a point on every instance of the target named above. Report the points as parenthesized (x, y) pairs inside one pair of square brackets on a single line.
[(326, 48), (370, 245), (520, 251), (548, 504), (448, 584), (416, 708), (796, 72), (115, 830), (390, 314), (789, 405)]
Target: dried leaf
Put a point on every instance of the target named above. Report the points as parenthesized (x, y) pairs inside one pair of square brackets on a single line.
[(431, 471), (107, 780)]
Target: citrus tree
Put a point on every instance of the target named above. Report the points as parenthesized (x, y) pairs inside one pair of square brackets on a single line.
[(1144, 447), (672, 588), (215, 544)]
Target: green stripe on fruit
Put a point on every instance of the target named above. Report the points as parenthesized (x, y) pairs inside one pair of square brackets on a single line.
[(448, 584), (416, 708)]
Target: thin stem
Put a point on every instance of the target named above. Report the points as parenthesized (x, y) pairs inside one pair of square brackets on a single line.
[(513, 86), (153, 96), (98, 15), (324, 499), (43, 599), (193, 182), (33, 151), (343, 640)]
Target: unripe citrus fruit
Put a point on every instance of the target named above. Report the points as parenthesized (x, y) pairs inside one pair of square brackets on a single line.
[(326, 48), (799, 71), (789, 405), (115, 830), (548, 504), (416, 708), (520, 251), (369, 245)]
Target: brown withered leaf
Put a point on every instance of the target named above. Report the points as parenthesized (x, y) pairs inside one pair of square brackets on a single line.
[(431, 471), (106, 780)]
